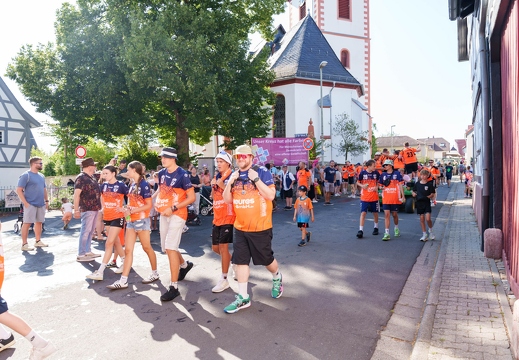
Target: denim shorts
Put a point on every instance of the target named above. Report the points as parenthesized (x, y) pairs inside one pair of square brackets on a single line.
[(139, 225)]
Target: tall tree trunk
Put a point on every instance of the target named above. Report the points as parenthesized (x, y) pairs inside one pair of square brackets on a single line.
[(182, 140)]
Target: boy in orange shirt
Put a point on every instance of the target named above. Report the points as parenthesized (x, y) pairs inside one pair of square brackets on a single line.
[(303, 213), (392, 196)]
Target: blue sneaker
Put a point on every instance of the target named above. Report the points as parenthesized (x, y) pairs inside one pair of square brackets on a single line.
[(277, 287), (237, 305)]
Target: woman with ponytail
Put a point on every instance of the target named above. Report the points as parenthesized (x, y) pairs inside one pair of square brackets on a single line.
[(138, 210)]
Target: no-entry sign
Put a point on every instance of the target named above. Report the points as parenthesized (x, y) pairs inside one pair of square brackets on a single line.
[(80, 151)]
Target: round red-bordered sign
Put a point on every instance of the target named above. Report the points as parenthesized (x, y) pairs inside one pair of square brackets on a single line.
[(308, 144), (80, 151)]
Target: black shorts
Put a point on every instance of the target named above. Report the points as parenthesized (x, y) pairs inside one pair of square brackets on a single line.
[(423, 207), (287, 193), (115, 222), (303, 225), (3, 305), (410, 168), (351, 180), (337, 183), (222, 234), (256, 245)]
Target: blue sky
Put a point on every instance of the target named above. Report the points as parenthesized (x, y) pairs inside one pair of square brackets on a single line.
[(417, 83)]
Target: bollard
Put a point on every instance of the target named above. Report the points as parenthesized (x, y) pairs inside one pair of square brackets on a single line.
[(493, 247)]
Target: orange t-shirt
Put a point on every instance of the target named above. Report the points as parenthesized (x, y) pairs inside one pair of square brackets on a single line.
[(112, 196), (303, 177), (223, 213), (391, 193), (398, 163), (409, 155), (369, 194), (138, 196), (173, 189), (1, 262), (345, 172), (350, 170), (253, 212)]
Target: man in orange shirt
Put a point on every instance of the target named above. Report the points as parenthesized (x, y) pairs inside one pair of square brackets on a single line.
[(435, 176), (250, 190), (224, 217), (408, 155), (378, 162), (350, 170), (303, 176), (175, 194)]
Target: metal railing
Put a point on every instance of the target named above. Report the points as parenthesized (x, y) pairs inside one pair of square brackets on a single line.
[(9, 201)]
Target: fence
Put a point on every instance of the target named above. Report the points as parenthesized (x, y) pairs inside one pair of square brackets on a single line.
[(9, 201)]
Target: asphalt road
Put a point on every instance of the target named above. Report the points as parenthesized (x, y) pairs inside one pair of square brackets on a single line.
[(338, 294)]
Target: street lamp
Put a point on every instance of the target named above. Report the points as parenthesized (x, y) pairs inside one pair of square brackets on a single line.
[(392, 126), (321, 65)]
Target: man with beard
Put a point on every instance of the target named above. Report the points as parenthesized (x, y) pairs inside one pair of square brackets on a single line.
[(251, 190)]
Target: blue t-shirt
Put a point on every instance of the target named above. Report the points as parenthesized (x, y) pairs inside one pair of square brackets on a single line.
[(263, 173), (33, 185), (329, 174)]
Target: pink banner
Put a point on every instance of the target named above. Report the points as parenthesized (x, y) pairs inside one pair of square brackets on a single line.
[(289, 151)]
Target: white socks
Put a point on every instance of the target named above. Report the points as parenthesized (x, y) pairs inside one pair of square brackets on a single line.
[(36, 340)]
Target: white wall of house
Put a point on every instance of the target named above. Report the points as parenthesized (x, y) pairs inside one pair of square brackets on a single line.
[(10, 176), (301, 106)]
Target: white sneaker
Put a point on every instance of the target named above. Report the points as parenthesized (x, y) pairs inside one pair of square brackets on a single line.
[(84, 258), (119, 270), (96, 275), (431, 235), (185, 229), (40, 244), (118, 285), (26, 247), (42, 353), (93, 255), (150, 279), (221, 286), (423, 238), (314, 201)]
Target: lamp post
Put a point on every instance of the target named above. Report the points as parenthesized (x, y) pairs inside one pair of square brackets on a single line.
[(392, 126), (321, 65)]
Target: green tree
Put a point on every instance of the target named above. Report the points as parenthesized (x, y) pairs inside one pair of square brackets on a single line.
[(353, 142), (181, 66)]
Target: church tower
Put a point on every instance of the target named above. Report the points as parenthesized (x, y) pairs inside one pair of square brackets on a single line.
[(345, 24)]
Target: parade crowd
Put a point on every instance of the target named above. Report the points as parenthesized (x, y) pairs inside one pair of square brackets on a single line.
[(123, 204)]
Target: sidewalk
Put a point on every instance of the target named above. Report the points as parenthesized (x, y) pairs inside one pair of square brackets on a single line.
[(453, 305)]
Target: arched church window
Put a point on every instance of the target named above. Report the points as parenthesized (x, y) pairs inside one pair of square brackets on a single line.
[(302, 9), (345, 58), (279, 117), (344, 9)]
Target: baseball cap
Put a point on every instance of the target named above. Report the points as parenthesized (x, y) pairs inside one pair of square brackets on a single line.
[(168, 153), (388, 162), (224, 155), (302, 188), (378, 153)]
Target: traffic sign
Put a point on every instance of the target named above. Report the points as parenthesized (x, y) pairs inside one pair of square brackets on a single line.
[(308, 144), (79, 161), (80, 151)]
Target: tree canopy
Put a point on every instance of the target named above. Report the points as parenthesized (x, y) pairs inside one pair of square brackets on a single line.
[(182, 67)]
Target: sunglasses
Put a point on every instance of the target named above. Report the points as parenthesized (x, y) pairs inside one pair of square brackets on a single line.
[(241, 156)]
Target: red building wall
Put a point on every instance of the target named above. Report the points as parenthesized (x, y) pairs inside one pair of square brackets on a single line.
[(510, 142)]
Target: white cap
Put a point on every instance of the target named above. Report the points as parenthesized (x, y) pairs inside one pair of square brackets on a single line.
[(224, 155)]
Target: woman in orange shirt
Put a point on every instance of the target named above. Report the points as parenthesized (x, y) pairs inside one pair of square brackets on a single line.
[(112, 199)]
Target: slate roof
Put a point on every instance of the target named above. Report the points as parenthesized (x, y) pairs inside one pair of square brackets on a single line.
[(436, 147), (301, 51)]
